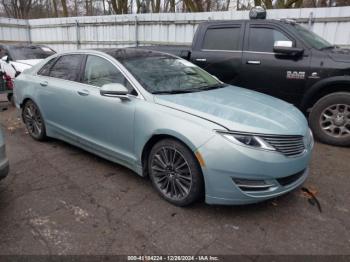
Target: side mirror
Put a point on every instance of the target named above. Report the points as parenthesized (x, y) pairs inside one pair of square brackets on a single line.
[(115, 90), (286, 48), (5, 58)]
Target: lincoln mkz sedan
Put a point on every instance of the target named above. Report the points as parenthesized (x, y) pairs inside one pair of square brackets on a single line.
[(165, 118)]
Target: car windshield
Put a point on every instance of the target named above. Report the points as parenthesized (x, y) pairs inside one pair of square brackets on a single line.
[(29, 52), (163, 74), (312, 39)]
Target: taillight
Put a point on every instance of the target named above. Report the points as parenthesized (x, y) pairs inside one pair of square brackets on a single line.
[(9, 81)]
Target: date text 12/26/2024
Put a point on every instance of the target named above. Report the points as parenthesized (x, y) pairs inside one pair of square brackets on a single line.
[(173, 258)]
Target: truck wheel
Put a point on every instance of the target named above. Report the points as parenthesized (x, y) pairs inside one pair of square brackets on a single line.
[(330, 119)]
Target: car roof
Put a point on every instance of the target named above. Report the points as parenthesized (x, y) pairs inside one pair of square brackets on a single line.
[(129, 53), (7, 45), (118, 53)]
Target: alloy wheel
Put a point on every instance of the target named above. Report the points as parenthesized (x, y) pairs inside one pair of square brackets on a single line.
[(171, 172), (335, 120), (32, 119)]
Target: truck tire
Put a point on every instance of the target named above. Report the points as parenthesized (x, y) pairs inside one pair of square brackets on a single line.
[(330, 119)]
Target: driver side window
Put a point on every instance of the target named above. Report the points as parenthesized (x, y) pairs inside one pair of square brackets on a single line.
[(99, 71), (262, 39)]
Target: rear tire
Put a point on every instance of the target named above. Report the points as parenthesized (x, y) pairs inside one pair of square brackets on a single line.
[(330, 119), (175, 172), (34, 121)]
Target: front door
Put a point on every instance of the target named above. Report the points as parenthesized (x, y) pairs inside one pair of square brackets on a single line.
[(263, 70), (105, 123)]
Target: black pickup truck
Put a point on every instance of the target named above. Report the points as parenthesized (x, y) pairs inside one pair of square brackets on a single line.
[(283, 59)]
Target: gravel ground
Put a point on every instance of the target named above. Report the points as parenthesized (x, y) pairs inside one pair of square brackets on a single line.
[(59, 199)]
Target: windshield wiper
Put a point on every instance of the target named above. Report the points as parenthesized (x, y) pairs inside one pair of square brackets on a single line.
[(210, 87), (174, 91), (190, 90), (328, 47)]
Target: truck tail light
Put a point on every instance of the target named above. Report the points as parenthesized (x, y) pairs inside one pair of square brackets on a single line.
[(8, 80)]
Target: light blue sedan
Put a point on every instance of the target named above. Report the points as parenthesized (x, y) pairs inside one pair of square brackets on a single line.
[(165, 118)]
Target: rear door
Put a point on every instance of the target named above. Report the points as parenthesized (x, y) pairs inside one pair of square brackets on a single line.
[(263, 70), (58, 89), (218, 50)]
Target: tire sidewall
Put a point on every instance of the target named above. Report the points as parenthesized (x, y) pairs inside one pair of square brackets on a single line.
[(197, 188), (42, 135), (314, 118)]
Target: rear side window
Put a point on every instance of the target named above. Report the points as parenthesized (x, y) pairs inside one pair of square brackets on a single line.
[(226, 38), (45, 70), (262, 39), (67, 67), (99, 72)]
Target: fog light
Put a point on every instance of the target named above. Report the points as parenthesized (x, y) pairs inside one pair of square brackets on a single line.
[(251, 184)]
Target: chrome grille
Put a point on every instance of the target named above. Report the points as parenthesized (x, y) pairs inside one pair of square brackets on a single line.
[(287, 145)]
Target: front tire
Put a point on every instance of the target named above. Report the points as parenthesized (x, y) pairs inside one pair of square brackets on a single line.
[(175, 172), (330, 119), (34, 121)]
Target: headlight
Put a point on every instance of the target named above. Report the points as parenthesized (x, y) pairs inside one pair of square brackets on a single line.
[(247, 140), (309, 139)]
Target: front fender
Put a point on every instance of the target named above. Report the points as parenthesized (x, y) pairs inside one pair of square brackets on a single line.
[(321, 87), (161, 120)]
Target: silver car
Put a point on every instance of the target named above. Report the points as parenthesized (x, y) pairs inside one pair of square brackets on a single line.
[(165, 118)]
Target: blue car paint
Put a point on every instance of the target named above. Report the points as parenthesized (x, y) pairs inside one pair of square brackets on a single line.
[(119, 130), (241, 109)]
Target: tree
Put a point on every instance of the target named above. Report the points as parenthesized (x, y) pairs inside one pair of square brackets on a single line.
[(65, 9), (55, 8), (17, 8), (120, 6)]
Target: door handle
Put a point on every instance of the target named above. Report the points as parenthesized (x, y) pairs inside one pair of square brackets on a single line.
[(83, 92), (201, 59), (44, 83), (253, 62)]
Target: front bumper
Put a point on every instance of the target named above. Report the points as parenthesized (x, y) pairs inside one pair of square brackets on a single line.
[(225, 163)]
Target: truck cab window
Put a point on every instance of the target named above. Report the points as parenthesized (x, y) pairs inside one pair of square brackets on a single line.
[(262, 39), (225, 38)]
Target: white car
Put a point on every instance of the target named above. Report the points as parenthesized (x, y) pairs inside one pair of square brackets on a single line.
[(14, 59)]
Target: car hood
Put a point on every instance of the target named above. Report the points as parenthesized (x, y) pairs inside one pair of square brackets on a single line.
[(240, 109), (21, 65)]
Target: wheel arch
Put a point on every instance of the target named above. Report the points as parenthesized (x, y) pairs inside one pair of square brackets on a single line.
[(27, 98), (323, 88), (24, 101), (156, 137)]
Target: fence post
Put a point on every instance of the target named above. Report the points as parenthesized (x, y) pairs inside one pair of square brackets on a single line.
[(310, 20), (136, 32), (29, 32), (77, 31)]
